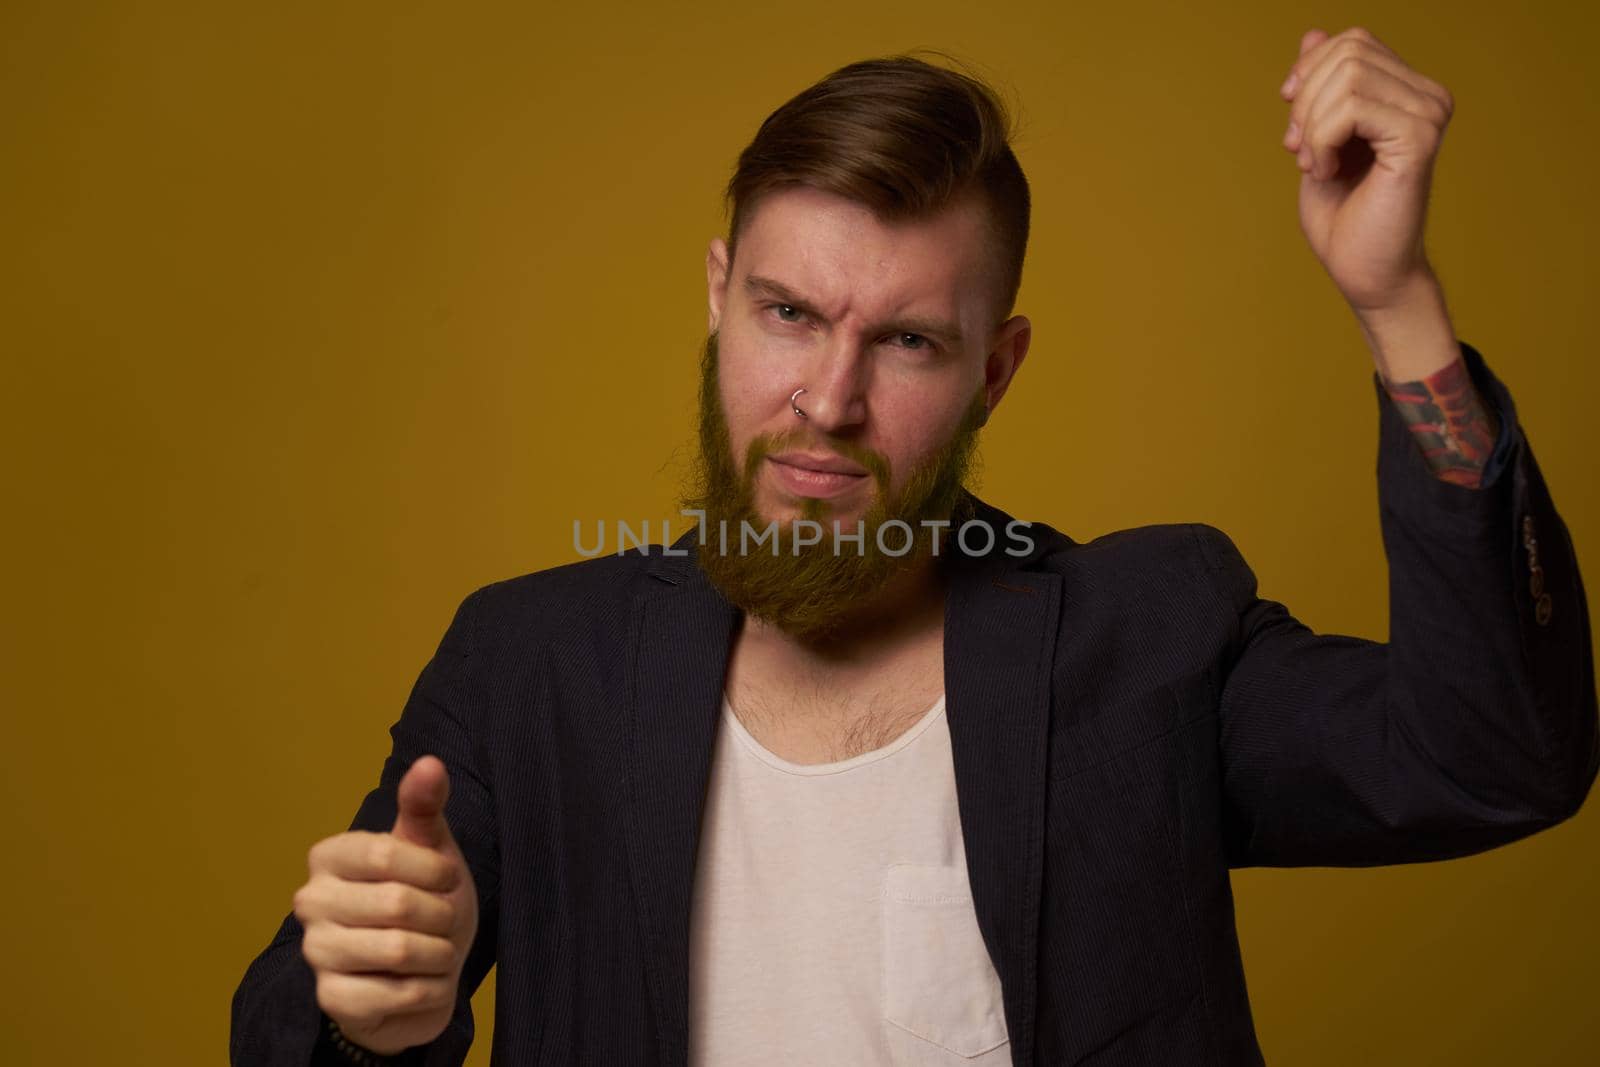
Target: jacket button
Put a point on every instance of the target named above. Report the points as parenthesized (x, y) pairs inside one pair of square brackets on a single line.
[(1536, 582), (1541, 609)]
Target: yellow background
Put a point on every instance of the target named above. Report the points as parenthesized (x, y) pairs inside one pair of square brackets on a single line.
[(318, 317)]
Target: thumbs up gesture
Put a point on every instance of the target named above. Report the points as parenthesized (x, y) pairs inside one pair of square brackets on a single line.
[(389, 918)]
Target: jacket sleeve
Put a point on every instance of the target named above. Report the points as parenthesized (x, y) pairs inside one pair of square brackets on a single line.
[(276, 1019), (1473, 725)]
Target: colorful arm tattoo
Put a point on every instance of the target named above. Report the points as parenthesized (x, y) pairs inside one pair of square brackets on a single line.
[(1449, 421)]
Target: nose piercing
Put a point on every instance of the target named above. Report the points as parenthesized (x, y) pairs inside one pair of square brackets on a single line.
[(796, 407)]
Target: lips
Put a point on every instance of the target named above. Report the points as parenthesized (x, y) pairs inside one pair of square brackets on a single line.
[(802, 475), (823, 463)]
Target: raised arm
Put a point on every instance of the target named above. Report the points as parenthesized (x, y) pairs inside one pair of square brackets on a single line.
[(1474, 725)]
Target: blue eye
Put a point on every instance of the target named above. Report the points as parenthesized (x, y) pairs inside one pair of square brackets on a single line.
[(925, 343), (788, 307)]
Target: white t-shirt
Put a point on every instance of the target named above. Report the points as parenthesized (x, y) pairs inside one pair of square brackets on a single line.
[(832, 920)]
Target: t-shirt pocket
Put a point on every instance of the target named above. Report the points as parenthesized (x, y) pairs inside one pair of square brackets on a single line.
[(938, 980)]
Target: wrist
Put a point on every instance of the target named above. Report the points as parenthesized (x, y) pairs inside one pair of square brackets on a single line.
[(1411, 336), (353, 1053)]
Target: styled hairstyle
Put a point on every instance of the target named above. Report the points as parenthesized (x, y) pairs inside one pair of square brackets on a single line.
[(905, 138)]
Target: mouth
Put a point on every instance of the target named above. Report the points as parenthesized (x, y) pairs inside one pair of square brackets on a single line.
[(816, 476)]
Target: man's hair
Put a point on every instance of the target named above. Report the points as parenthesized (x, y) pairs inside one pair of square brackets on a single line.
[(905, 138)]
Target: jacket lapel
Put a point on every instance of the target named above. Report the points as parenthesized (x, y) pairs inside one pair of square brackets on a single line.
[(1000, 636), (682, 630)]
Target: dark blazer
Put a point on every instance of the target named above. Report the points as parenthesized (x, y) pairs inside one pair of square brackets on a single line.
[(1128, 719)]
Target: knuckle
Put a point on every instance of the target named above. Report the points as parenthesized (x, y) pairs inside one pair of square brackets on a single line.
[(1349, 70), (321, 952), (381, 853), (414, 995), (396, 950), (439, 993), (395, 905)]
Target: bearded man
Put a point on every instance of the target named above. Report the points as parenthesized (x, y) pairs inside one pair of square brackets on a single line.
[(864, 770)]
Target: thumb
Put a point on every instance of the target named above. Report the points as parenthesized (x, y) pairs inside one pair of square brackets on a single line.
[(421, 799)]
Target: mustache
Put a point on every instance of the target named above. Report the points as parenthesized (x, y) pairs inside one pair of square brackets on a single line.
[(811, 594), (804, 439)]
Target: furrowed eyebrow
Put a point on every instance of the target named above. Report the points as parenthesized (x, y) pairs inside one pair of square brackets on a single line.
[(937, 329), (756, 285)]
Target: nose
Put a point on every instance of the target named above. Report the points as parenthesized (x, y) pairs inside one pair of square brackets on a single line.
[(835, 383)]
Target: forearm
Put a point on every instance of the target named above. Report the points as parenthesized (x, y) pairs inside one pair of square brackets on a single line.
[(1474, 630), (1419, 361), (1474, 724)]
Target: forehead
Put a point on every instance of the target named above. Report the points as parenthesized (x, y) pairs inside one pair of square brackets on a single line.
[(846, 260)]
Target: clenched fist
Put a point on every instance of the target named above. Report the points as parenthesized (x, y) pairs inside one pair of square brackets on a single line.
[(389, 918), (1366, 129)]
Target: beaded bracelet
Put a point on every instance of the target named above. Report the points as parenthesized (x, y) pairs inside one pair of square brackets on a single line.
[(353, 1052)]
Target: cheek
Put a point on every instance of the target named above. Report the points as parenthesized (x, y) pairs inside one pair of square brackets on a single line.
[(746, 400), (914, 433)]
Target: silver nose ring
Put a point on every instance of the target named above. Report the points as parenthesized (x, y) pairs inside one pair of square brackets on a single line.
[(796, 407)]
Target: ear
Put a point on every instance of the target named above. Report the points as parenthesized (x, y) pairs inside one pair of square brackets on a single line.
[(1005, 356), (716, 281)]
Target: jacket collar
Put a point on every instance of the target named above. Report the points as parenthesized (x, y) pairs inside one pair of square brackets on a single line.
[(1000, 628)]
